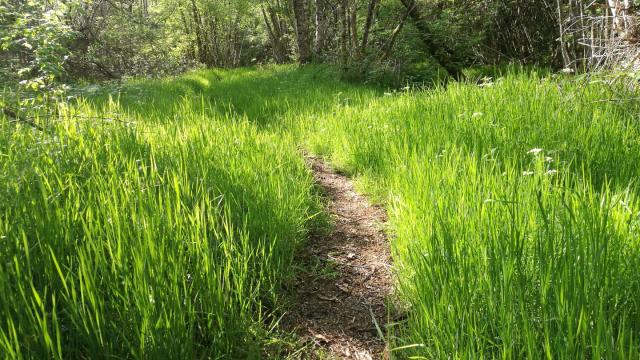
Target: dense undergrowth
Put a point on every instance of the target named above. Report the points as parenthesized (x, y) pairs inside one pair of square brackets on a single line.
[(163, 220)]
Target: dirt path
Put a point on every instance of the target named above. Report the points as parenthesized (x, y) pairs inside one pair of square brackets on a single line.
[(349, 278)]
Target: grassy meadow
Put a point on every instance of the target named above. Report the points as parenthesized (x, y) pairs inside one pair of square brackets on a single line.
[(514, 215), (161, 218)]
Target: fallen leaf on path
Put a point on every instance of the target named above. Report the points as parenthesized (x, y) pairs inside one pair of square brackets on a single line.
[(321, 339)]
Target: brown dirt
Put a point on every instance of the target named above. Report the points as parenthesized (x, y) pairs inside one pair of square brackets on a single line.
[(340, 301)]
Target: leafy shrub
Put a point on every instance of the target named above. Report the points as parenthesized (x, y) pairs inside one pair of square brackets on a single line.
[(34, 39)]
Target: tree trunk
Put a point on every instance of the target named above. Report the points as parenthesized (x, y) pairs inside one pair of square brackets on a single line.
[(563, 46), (302, 31), (321, 27), (371, 12), (439, 54), (623, 21), (388, 46), (353, 24), (198, 30), (274, 36), (215, 40), (344, 35), (191, 51), (236, 43)]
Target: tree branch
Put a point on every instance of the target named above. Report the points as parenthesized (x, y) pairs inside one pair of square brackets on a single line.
[(19, 118)]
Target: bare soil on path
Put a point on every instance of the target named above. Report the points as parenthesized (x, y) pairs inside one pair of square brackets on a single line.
[(340, 300)]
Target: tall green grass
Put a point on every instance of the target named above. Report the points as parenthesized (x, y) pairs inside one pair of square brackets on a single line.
[(146, 240), (160, 218), (514, 215)]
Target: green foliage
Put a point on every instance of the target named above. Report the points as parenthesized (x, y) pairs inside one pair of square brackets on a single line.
[(465, 33), (121, 38), (35, 40)]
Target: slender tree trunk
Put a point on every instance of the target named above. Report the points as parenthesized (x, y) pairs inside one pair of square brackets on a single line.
[(353, 25), (344, 35), (563, 45), (631, 21), (614, 6), (191, 51), (229, 45), (274, 37), (198, 30), (388, 46), (623, 20), (321, 27), (415, 12), (236, 42), (302, 31), (371, 12), (215, 40), (279, 26)]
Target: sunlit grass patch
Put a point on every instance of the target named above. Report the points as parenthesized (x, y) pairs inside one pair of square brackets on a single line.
[(513, 210), (148, 240), (159, 218)]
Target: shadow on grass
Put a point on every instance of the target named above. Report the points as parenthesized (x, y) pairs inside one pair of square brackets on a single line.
[(264, 95)]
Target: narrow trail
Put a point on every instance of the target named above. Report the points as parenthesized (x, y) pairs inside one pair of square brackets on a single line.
[(340, 303)]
